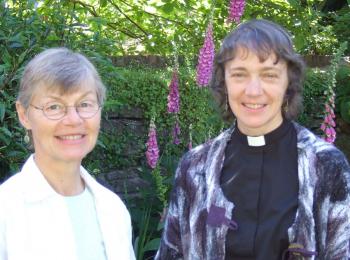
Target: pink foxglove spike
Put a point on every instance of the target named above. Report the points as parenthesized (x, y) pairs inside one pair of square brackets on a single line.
[(206, 58), (174, 96), (328, 124), (152, 153), (236, 10)]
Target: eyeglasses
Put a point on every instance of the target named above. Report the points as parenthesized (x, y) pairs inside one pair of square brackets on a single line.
[(56, 110)]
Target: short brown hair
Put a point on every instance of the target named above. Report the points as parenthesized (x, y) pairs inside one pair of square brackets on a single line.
[(263, 38)]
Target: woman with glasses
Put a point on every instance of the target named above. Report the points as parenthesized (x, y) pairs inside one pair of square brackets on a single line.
[(53, 208)]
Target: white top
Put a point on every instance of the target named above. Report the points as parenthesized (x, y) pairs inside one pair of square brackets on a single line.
[(86, 229), (35, 222)]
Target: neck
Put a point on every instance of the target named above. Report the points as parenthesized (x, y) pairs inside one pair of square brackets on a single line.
[(63, 177)]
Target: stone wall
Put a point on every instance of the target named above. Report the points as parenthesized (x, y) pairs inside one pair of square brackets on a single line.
[(127, 180)]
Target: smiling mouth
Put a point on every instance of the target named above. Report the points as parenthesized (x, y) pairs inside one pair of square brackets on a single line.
[(71, 137), (253, 106)]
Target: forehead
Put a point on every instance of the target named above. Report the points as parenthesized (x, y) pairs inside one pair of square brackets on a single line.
[(56, 91), (245, 56)]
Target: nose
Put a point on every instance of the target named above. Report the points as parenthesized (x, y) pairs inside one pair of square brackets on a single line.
[(254, 87), (72, 116)]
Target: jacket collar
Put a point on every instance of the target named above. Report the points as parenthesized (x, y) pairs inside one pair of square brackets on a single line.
[(36, 188)]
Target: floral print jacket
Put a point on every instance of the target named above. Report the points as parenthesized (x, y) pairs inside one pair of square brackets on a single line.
[(199, 215)]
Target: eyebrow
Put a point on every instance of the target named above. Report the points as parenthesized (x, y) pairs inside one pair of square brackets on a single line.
[(245, 69), (60, 96)]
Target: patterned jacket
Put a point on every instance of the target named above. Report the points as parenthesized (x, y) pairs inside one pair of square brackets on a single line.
[(199, 215)]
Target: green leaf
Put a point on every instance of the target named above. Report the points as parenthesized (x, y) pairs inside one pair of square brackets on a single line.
[(6, 131), (2, 111), (168, 8), (152, 245), (103, 3), (16, 45), (22, 56)]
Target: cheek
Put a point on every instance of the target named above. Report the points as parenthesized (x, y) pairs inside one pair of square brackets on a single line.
[(95, 124)]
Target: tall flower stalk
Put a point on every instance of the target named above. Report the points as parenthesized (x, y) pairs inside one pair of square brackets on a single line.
[(206, 58), (174, 96), (152, 153), (190, 137), (236, 10), (176, 131), (328, 125)]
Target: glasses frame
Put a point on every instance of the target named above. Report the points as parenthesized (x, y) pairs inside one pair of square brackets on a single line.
[(65, 112)]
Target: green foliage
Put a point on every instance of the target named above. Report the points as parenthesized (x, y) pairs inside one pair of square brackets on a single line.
[(106, 28), (19, 35), (343, 93), (313, 99), (145, 242), (331, 81), (318, 85), (131, 27), (340, 21)]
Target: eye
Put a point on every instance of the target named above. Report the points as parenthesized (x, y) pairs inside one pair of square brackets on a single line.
[(237, 75), (87, 104), (54, 107), (270, 75)]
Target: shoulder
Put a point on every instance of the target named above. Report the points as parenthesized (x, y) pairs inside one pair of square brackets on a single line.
[(330, 165), (199, 155), (12, 187), (311, 143)]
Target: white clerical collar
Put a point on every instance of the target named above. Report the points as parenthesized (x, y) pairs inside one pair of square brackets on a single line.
[(256, 140)]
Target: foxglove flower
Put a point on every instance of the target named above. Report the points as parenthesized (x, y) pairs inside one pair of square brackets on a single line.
[(328, 124), (236, 10), (176, 132), (206, 58), (174, 96), (152, 153)]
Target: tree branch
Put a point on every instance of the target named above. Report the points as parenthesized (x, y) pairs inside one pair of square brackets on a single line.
[(127, 17), (88, 7)]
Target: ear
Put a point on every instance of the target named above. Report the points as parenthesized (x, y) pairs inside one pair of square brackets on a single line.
[(23, 115)]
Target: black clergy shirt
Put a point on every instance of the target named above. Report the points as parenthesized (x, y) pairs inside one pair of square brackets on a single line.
[(262, 182)]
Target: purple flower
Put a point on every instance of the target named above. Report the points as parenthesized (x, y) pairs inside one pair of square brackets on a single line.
[(236, 10), (330, 134), (206, 58), (176, 132), (174, 96), (152, 153), (328, 124)]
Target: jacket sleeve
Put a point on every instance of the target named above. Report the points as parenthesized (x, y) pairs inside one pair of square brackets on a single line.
[(171, 241), (338, 221)]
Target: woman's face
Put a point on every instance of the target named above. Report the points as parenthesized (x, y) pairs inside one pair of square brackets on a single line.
[(256, 91), (68, 139)]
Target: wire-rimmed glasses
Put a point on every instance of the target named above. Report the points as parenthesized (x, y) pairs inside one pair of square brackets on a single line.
[(56, 110)]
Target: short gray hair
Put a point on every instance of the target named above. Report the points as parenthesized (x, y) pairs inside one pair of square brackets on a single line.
[(58, 68)]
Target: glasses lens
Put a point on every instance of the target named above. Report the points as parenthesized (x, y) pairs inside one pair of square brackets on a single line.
[(88, 108), (54, 110)]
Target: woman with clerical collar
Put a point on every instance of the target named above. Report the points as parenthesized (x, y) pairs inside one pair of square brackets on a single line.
[(267, 188)]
